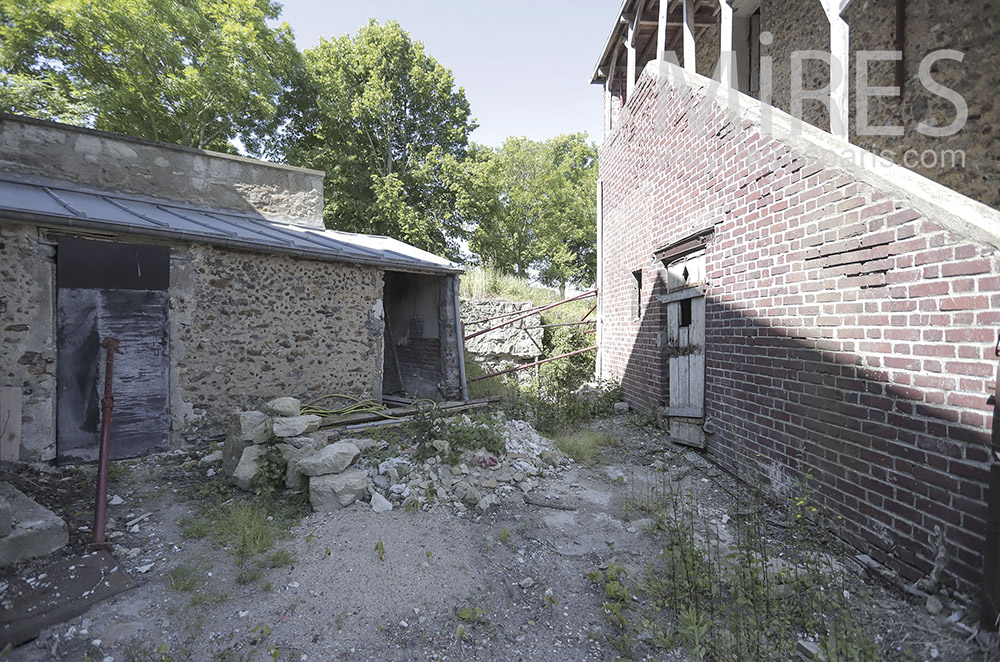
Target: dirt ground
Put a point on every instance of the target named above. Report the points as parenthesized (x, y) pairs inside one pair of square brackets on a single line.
[(510, 584)]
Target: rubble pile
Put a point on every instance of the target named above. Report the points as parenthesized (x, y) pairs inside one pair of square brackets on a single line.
[(341, 471)]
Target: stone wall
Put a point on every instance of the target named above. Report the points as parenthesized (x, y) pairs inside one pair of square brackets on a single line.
[(247, 326), (27, 333), (968, 26), (142, 167), (850, 316), (511, 345)]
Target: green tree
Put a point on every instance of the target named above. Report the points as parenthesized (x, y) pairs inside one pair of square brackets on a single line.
[(387, 124), (533, 208), (195, 72)]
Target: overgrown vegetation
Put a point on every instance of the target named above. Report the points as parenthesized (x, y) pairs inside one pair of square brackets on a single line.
[(736, 592), (582, 445)]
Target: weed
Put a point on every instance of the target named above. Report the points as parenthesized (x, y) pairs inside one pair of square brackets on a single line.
[(194, 527), (504, 536), (469, 614), (380, 550), (279, 558), (209, 598), (270, 476), (184, 578), (582, 445)]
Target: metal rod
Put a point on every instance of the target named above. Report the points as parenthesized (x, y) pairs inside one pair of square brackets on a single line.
[(530, 310), (549, 326), (592, 309), (532, 365), (901, 46), (535, 312), (108, 405)]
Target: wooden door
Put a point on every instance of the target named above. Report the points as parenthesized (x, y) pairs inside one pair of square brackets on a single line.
[(685, 355)]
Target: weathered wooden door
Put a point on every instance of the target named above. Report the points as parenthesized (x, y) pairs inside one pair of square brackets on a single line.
[(114, 290), (685, 355)]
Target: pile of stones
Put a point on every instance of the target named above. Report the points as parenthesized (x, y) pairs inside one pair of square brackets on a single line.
[(340, 472)]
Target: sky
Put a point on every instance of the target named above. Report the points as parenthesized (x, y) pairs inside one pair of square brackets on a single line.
[(525, 66)]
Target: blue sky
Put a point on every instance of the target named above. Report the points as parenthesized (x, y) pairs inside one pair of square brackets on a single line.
[(525, 66)]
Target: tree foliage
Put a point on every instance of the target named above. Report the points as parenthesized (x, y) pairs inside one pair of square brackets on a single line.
[(388, 125), (532, 204), (195, 72)]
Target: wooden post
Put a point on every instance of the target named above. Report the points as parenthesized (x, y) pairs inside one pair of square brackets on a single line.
[(10, 424), (727, 56), (661, 31), (840, 56), (689, 44)]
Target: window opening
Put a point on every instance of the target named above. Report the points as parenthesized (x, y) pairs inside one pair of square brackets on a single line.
[(685, 312), (637, 293)]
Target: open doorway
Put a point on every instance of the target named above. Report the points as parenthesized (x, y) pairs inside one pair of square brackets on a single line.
[(413, 363)]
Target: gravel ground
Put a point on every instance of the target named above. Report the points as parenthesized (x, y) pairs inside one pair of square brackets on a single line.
[(510, 584)]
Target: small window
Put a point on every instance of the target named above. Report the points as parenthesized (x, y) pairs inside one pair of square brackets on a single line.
[(685, 312), (637, 293)]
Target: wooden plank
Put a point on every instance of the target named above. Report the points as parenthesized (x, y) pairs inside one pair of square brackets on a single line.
[(684, 367), (697, 339), (10, 423)]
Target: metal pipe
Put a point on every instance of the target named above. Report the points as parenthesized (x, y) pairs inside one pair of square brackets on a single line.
[(461, 341), (543, 308), (108, 405), (549, 326), (516, 312), (592, 309), (532, 365)]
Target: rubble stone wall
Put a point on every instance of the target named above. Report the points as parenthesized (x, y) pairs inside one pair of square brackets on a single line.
[(969, 27), (27, 333), (850, 320), (246, 326), (511, 345), (143, 167)]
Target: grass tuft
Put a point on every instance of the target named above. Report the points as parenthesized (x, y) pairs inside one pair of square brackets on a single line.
[(582, 445), (184, 578)]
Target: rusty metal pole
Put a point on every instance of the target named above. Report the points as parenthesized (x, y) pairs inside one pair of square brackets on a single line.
[(107, 405), (990, 606)]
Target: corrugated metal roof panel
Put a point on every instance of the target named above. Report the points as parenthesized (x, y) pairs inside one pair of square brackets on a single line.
[(66, 204)]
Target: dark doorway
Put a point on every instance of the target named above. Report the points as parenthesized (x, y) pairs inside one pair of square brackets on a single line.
[(413, 362), (107, 289)]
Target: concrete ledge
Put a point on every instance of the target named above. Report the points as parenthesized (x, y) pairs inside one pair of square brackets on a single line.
[(124, 164), (951, 210), (37, 530)]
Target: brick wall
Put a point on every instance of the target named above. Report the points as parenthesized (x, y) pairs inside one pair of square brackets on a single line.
[(849, 337)]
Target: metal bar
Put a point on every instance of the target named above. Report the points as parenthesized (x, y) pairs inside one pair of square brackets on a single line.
[(591, 331), (108, 405), (549, 326), (592, 309), (901, 46), (530, 310), (539, 310), (532, 365)]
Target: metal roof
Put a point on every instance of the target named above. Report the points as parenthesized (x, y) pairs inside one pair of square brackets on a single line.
[(63, 204)]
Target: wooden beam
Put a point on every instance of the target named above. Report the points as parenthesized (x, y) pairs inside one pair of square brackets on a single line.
[(727, 50), (661, 31)]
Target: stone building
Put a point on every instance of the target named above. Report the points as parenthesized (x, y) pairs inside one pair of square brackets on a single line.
[(218, 277), (809, 313)]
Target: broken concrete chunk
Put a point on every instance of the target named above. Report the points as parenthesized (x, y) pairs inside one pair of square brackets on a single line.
[(294, 426), (247, 467), (211, 459), (37, 531), (333, 459), (441, 446), (249, 426), (295, 479), (621, 407), (335, 491), (283, 407), (549, 458), (302, 442), (380, 504), (364, 445)]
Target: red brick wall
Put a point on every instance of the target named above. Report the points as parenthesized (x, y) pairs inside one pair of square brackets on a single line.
[(848, 337)]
